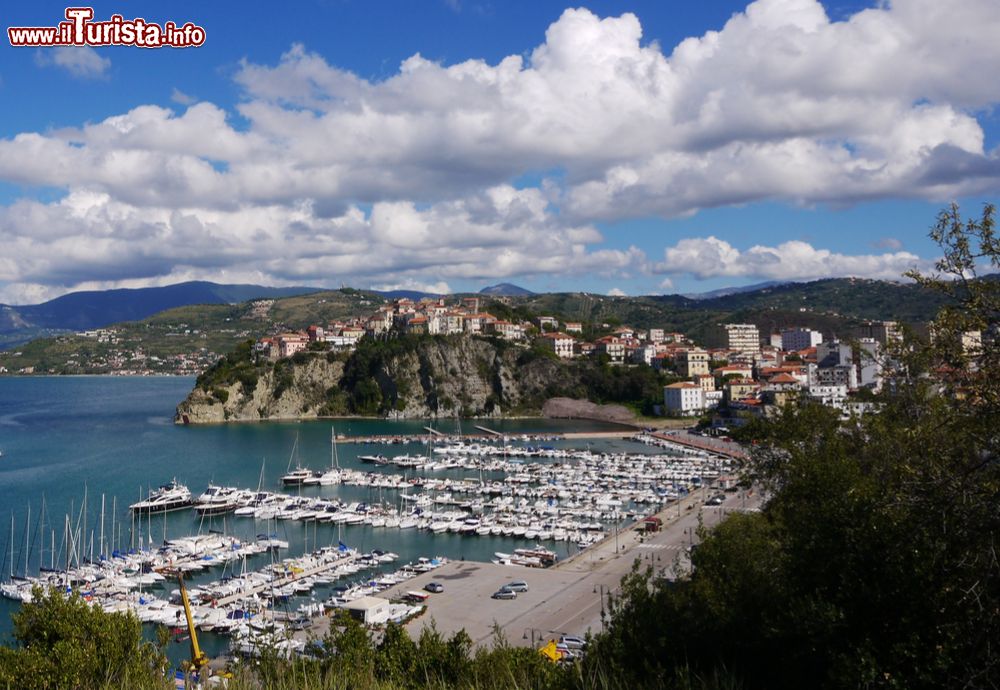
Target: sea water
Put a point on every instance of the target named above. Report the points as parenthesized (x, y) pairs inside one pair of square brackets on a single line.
[(75, 442)]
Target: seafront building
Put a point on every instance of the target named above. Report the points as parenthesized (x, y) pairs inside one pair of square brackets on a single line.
[(684, 399)]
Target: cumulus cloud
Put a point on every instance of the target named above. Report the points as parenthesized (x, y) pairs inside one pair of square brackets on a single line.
[(710, 257), (617, 292), (90, 236), (328, 173), (780, 103), (79, 61)]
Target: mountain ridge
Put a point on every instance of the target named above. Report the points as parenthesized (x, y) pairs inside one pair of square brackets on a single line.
[(90, 309), (505, 290)]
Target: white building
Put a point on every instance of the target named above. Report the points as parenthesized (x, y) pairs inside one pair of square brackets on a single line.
[(643, 354), (795, 339), (560, 343), (870, 364), (743, 337), (613, 347), (369, 610), (830, 395), (684, 398)]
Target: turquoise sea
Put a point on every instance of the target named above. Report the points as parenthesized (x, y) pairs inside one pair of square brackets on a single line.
[(66, 438)]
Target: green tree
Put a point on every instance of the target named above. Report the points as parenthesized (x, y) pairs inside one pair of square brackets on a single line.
[(64, 642), (874, 562)]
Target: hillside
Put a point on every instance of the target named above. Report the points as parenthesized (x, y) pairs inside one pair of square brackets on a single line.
[(411, 377), (185, 339), (80, 311), (190, 338), (834, 306)]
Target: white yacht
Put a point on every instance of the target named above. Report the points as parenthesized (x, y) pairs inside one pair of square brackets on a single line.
[(300, 475), (172, 496)]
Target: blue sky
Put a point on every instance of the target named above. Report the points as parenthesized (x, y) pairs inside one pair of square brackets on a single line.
[(641, 147)]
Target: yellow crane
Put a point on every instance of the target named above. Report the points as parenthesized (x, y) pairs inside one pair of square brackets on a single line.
[(198, 658)]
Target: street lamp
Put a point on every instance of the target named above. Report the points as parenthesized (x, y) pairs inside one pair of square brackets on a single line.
[(533, 631), (603, 590)]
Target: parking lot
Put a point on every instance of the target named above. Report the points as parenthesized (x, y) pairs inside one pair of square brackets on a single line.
[(466, 600), (567, 598)]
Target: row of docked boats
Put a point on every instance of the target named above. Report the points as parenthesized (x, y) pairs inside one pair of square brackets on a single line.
[(573, 500), (249, 604)]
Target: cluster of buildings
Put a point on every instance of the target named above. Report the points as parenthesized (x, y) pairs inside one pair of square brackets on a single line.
[(751, 372), (435, 316), (746, 375), (623, 346), (429, 316)]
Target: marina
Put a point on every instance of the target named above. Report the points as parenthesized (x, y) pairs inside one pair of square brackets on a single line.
[(522, 499)]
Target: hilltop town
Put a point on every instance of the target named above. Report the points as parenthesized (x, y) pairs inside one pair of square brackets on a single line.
[(751, 374)]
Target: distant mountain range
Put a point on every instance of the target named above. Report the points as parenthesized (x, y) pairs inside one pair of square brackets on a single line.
[(404, 294), (726, 291), (505, 290), (80, 311), (829, 305)]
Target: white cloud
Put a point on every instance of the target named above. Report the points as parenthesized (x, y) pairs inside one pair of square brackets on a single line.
[(779, 104), (438, 288), (80, 61), (617, 292), (90, 237), (711, 257)]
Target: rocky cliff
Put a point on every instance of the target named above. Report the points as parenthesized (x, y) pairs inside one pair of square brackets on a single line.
[(409, 377), (273, 396)]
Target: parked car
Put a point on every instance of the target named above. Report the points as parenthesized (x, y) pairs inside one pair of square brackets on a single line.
[(435, 587), (504, 593), (517, 586), (572, 642)]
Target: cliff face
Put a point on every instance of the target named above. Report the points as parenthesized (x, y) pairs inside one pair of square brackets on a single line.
[(271, 398), (425, 377), (466, 376)]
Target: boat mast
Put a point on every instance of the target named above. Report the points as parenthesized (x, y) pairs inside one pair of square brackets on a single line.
[(294, 455), (41, 530), (26, 532), (101, 548), (66, 539), (83, 533), (333, 439)]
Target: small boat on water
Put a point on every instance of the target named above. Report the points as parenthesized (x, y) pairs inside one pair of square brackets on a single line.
[(172, 496), (300, 475)]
